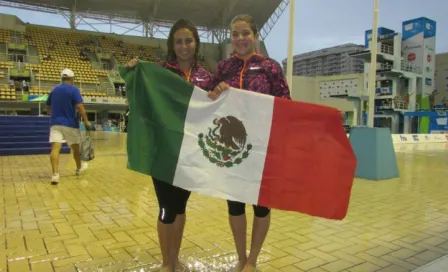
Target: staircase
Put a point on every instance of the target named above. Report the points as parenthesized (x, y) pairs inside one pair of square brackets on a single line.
[(26, 135), (33, 55), (92, 57), (107, 85)]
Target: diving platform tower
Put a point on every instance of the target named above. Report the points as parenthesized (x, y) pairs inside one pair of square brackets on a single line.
[(405, 74)]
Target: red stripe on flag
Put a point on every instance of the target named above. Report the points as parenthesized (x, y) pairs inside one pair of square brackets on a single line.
[(310, 164)]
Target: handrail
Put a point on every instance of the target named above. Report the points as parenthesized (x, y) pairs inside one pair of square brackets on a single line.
[(410, 67), (387, 49)]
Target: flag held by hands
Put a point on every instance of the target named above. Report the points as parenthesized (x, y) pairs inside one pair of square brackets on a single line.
[(245, 146)]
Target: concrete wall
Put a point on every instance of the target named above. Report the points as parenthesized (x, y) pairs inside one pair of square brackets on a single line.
[(11, 22), (306, 89)]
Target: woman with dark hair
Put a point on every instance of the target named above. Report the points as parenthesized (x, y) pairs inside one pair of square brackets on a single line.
[(248, 70), (183, 47)]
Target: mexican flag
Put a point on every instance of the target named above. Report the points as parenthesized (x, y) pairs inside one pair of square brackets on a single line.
[(245, 146)]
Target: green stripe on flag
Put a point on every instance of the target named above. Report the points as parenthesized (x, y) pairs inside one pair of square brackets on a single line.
[(158, 101)]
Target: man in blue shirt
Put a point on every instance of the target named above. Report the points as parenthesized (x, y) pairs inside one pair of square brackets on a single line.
[(62, 104)]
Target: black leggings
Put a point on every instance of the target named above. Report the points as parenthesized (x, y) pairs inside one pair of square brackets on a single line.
[(238, 208), (172, 201)]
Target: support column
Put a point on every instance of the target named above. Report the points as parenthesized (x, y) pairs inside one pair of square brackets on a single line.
[(412, 90), (395, 127), (145, 29), (104, 117), (148, 29), (407, 125), (355, 116), (395, 90), (373, 146), (373, 64), (73, 18), (357, 111), (290, 56), (151, 29)]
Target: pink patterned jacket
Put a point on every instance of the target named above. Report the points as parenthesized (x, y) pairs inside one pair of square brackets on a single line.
[(198, 75), (258, 74)]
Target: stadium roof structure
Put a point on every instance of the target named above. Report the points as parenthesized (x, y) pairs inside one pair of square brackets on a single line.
[(211, 16)]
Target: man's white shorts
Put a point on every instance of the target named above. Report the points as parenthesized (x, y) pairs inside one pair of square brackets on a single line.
[(61, 134)]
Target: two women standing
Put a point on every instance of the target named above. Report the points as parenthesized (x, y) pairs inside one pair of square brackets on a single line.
[(245, 69)]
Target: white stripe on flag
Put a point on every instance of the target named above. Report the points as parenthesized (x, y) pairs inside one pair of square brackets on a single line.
[(239, 182)]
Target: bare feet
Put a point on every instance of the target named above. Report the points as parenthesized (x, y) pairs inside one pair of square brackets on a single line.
[(249, 268), (239, 266), (167, 268), (180, 267)]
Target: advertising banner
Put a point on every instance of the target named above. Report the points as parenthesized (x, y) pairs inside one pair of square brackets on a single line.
[(419, 138), (419, 42)]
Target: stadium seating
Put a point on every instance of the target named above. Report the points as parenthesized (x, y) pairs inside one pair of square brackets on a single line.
[(6, 93), (4, 35), (114, 47), (35, 91), (59, 48), (6, 65), (64, 54), (147, 53)]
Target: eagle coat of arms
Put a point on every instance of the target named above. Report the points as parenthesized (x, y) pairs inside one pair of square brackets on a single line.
[(225, 143)]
